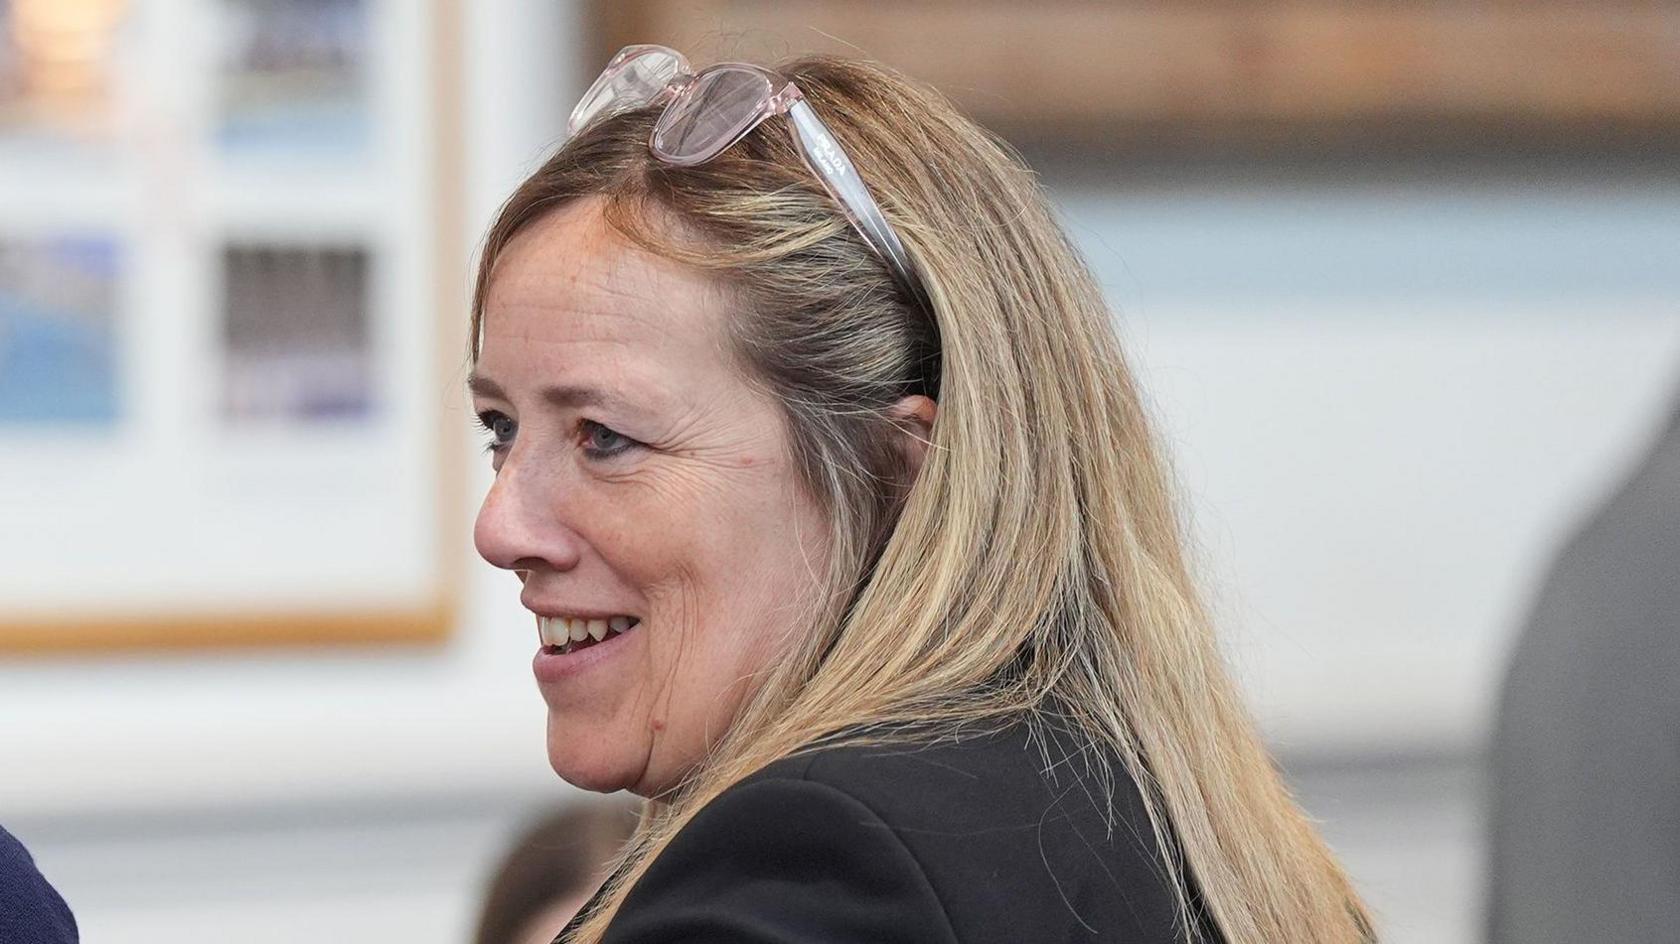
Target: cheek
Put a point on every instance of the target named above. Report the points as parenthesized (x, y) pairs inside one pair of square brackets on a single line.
[(708, 534), (747, 587), (728, 578), (737, 561)]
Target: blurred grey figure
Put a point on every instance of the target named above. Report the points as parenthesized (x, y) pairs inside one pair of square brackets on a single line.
[(1585, 841)]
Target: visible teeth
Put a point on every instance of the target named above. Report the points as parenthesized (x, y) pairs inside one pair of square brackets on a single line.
[(562, 632)]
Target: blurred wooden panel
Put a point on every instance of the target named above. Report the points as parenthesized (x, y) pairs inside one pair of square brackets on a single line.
[(82, 634), (1062, 68)]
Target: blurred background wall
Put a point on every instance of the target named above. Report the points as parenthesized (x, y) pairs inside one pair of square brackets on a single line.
[(1404, 291)]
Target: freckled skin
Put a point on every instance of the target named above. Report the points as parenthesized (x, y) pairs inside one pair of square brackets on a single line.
[(704, 533)]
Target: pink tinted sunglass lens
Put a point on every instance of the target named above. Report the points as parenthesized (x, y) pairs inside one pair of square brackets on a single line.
[(720, 107), (634, 83)]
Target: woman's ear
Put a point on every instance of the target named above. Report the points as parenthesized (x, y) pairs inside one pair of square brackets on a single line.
[(914, 415)]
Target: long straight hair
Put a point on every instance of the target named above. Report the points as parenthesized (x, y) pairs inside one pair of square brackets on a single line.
[(1035, 562)]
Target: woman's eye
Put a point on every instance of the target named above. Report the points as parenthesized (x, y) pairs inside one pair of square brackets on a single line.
[(604, 442), (500, 426)]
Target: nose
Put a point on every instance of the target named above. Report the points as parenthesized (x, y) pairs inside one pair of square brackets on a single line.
[(520, 527)]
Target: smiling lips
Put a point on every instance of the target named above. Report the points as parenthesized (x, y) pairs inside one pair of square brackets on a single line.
[(569, 634)]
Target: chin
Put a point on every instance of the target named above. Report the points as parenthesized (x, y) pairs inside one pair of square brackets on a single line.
[(594, 767), (585, 775)]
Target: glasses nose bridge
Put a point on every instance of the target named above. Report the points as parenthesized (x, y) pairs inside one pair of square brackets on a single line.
[(679, 86)]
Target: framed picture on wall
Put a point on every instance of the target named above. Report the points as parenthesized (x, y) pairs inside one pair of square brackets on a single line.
[(58, 313), (229, 392), (294, 74), (60, 65), (296, 337)]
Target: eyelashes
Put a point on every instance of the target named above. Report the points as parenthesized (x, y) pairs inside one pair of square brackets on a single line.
[(500, 427), (604, 442), (597, 440)]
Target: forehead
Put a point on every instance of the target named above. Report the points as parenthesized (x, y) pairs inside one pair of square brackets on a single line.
[(569, 295)]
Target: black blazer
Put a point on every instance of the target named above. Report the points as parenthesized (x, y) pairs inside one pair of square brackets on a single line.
[(966, 839), (31, 911)]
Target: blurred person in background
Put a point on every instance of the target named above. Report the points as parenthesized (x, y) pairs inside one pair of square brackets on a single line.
[(848, 541), (31, 910), (1585, 842), (554, 867)]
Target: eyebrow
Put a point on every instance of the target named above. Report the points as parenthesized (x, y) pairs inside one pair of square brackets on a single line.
[(559, 395)]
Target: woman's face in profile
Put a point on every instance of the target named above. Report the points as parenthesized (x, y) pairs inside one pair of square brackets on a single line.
[(640, 480)]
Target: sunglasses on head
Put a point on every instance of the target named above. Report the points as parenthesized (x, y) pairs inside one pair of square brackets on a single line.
[(706, 112)]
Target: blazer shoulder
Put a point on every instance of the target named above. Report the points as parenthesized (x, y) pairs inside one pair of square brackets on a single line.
[(776, 860), (1021, 828)]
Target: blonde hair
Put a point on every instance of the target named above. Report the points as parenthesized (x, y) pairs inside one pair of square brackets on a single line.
[(1035, 564)]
